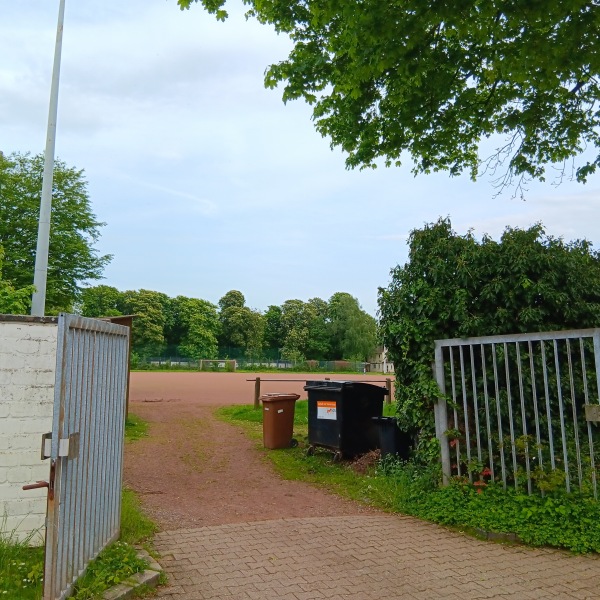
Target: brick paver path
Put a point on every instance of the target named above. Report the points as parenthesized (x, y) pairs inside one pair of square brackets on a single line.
[(381, 557)]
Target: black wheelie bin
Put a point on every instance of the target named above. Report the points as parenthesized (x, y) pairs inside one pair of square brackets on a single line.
[(340, 416)]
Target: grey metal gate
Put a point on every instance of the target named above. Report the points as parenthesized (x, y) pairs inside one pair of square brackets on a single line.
[(522, 409), (85, 449)]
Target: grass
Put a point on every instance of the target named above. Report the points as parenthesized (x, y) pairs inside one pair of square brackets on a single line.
[(22, 566), (135, 428), (557, 519)]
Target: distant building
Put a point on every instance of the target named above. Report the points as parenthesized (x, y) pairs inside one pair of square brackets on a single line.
[(379, 362)]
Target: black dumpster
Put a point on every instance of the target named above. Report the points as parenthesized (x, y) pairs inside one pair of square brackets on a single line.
[(392, 441), (340, 416)]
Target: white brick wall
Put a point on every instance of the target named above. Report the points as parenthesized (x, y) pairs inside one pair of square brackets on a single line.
[(27, 368)]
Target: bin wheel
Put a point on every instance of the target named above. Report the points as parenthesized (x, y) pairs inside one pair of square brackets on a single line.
[(294, 443), (337, 457), (310, 451)]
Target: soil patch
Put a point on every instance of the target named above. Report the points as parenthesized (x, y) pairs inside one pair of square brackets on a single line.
[(194, 470)]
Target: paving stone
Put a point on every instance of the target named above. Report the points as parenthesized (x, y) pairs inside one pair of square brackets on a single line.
[(380, 557)]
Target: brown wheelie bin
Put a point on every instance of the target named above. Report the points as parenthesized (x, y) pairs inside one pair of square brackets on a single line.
[(278, 420)]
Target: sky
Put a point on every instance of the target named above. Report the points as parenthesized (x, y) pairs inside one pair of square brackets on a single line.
[(207, 181)]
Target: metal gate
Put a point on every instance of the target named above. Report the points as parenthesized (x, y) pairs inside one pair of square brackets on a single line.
[(85, 448), (522, 409)]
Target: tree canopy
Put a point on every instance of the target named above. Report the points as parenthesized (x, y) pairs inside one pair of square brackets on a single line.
[(241, 326), (13, 301), (194, 328), (74, 229), (433, 79), (457, 286)]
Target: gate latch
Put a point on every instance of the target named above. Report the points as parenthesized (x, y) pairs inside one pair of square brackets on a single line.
[(45, 484), (68, 447)]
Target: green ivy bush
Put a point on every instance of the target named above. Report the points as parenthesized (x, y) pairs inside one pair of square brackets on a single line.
[(457, 286)]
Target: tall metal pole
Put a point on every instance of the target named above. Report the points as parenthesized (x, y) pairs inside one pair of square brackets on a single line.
[(38, 299)]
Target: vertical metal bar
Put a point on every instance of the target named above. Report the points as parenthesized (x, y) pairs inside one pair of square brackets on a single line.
[(83, 451), (488, 423), (538, 438), (523, 418), (441, 417), (65, 499), (97, 447), (475, 404), (548, 411), (455, 411), (510, 415), (597, 361), (562, 416), (117, 430), (499, 415), (70, 488), (574, 411), (101, 457), (120, 432), (90, 377), (466, 411), (52, 522), (590, 433)]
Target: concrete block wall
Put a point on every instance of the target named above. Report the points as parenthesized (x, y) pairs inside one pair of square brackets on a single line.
[(27, 372)]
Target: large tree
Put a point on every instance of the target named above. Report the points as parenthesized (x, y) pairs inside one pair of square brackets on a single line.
[(193, 326), (304, 329), (74, 230), (432, 79), (353, 332), (457, 286), (13, 301), (241, 327)]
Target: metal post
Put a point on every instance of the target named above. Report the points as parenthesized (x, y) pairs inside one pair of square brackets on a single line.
[(441, 415), (257, 393), (38, 299)]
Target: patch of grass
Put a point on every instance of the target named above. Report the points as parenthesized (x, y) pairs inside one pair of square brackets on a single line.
[(114, 565), (136, 527), (21, 566), (135, 427), (558, 519)]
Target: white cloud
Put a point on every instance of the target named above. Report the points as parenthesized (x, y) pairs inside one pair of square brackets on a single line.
[(206, 180)]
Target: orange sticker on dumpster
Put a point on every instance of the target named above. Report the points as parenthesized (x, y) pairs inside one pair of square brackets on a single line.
[(326, 409)]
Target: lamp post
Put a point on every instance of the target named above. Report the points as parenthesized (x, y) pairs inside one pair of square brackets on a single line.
[(38, 299)]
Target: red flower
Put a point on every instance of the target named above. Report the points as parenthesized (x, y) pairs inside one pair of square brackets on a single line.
[(487, 472), (479, 483), (453, 443)]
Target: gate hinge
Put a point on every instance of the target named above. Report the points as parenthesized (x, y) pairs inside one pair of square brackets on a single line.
[(68, 447)]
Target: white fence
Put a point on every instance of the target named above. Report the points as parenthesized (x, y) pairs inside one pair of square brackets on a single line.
[(27, 374), (521, 409)]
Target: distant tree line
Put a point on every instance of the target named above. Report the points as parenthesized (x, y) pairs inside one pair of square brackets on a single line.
[(193, 328)]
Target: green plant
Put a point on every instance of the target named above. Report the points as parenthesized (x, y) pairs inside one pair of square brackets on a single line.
[(135, 427), (456, 286), (21, 566), (115, 564), (136, 527)]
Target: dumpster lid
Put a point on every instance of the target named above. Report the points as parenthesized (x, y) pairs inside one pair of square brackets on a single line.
[(340, 385)]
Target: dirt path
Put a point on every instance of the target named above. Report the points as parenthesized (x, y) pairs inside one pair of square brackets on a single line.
[(194, 470)]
